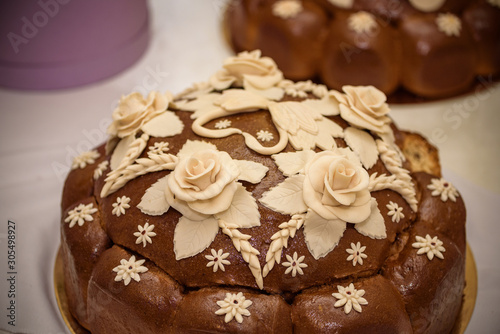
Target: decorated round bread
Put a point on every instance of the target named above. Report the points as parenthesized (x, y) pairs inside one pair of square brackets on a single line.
[(429, 48), (253, 204)]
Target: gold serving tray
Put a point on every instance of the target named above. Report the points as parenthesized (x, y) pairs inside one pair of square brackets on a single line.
[(62, 299), (470, 294)]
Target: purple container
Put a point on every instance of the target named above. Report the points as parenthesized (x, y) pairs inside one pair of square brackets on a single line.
[(52, 44)]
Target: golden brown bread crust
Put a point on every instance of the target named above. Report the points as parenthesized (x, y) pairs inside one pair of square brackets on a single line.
[(436, 288), (80, 251), (303, 37), (254, 204), (271, 313), (420, 154), (406, 51), (441, 217), (445, 67), (325, 269), (432, 292), (484, 24), (345, 52), (168, 299), (113, 308), (313, 311), (77, 186)]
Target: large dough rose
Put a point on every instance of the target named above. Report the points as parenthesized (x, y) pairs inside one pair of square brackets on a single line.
[(134, 111), (248, 68), (336, 186), (203, 184), (364, 107)]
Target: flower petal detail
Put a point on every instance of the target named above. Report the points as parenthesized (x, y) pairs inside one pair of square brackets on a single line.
[(251, 171), (243, 211), (182, 206), (374, 225), (287, 197), (165, 125), (216, 204), (193, 146), (193, 236), (363, 144), (292, 163), (327, 106), (153, 202), (234, 306), (120, 151), (322, 235)]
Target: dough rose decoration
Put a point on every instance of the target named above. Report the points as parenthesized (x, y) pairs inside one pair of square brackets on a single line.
[(134, 111), (331, 187), (202, 183), (325, 207), (336, 186), (135, 119), (135, 114), (252, 72), (322, 192), (239, 181), (203, 186), (364, 107)]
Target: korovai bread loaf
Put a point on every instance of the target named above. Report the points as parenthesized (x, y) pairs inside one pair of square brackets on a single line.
[(412, 50), (253, 204)]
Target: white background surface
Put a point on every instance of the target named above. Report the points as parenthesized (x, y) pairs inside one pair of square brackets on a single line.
[(40, 132)]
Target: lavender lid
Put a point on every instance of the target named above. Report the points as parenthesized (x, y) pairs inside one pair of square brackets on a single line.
[(51, 44)]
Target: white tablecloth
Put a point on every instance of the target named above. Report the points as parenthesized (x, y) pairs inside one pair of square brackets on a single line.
[(40, 132)]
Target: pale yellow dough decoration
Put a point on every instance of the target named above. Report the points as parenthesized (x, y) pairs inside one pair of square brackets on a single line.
[(449, 24), (342, 3), (84, 159), (350, 298), (362, 22), (234, 306), (427, 5), (80, 215), (129, 269), (287, 9), (430, 246)]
